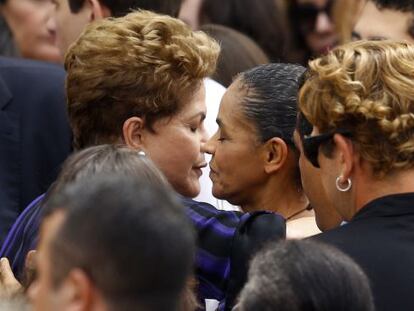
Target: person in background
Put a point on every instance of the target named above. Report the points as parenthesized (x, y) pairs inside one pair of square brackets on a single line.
[(313, 27), (359, 92), (35, 137), (232, 43), (190, 13), (266, 23), (385, 19), (95, 228), (254, 161), (302, 276), (32, 27), (71, 16), (345, 15), (7, 45)]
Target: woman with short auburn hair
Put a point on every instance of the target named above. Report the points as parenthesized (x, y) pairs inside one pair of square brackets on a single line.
[(138, 81)]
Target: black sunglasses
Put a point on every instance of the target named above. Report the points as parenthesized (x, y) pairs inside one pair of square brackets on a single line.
[(311, 144), (307, 14)]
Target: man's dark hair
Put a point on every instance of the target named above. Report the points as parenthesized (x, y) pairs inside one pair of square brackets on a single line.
[(263, 21), (120, 8), (131, 237), (305, 275), (398, 5)]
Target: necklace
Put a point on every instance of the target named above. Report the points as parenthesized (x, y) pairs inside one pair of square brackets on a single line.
[(307, 208)]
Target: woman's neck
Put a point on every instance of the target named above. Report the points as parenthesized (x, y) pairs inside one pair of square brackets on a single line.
[(284, 198), (371, 188)]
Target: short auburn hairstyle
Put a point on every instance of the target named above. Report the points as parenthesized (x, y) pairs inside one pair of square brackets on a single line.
[(367, 88), (142, 64)]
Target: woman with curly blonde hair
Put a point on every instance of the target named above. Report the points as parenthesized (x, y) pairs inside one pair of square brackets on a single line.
[(358, 103)]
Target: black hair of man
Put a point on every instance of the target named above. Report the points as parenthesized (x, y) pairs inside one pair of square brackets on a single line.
[(398, 5), (131, 237), (299, 275), (120, 8)]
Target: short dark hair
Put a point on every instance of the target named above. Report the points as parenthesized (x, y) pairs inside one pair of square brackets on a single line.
[(398, 5), (301, 275), (131, 237), (271, 101), (120, 8), (233, 42), (265, 23)]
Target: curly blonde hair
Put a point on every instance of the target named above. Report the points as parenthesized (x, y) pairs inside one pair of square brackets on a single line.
[(142, 64), (366, 87)]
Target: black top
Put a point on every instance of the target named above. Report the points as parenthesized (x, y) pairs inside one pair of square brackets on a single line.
[(380, 238)]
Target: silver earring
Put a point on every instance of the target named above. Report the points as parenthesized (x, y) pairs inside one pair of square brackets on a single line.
[(141, 153), (340, 188)]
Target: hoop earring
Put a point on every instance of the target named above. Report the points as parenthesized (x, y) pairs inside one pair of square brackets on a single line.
[(344, 189)]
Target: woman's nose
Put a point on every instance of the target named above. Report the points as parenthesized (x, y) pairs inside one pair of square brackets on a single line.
[(210, 145)]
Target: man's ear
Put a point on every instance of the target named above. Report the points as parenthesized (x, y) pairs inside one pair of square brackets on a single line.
[(346, 153), (98, 10), (275, 154), (133, 132), (78, 291)]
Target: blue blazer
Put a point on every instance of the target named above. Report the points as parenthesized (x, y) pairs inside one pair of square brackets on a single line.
[(35, 136)]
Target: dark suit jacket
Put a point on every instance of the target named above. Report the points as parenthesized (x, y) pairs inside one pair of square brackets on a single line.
[(34, 133), (380, 238)]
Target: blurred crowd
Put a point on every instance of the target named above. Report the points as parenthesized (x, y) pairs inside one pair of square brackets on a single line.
[(183, 155)]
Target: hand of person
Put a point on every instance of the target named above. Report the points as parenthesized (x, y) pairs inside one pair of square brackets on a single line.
[(9, 286), (30, 273)]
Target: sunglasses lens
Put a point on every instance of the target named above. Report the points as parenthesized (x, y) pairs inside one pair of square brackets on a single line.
[(307, 15), (311, 151)]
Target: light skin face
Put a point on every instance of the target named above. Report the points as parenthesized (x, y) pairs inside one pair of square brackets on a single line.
[(326, 216), (189, 12), (236, 165), (33, 28), (375, 24), (177, 144), (43, 295), (323, 36), (69, 25)]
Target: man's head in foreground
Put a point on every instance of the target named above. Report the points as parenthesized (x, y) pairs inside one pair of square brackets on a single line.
[(73, 15), (113, 243)]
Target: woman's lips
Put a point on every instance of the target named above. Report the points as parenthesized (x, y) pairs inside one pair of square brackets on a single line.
[(198, 169)]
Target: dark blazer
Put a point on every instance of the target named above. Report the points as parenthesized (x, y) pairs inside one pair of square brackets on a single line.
[(34, 133), (380, 238)]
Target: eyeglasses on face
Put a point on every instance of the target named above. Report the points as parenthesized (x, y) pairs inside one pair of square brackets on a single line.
[(311, 144), (308, 13)]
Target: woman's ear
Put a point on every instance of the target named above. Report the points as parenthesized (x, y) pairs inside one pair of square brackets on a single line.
[(275, 154), (346, 154), (133, 132)]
